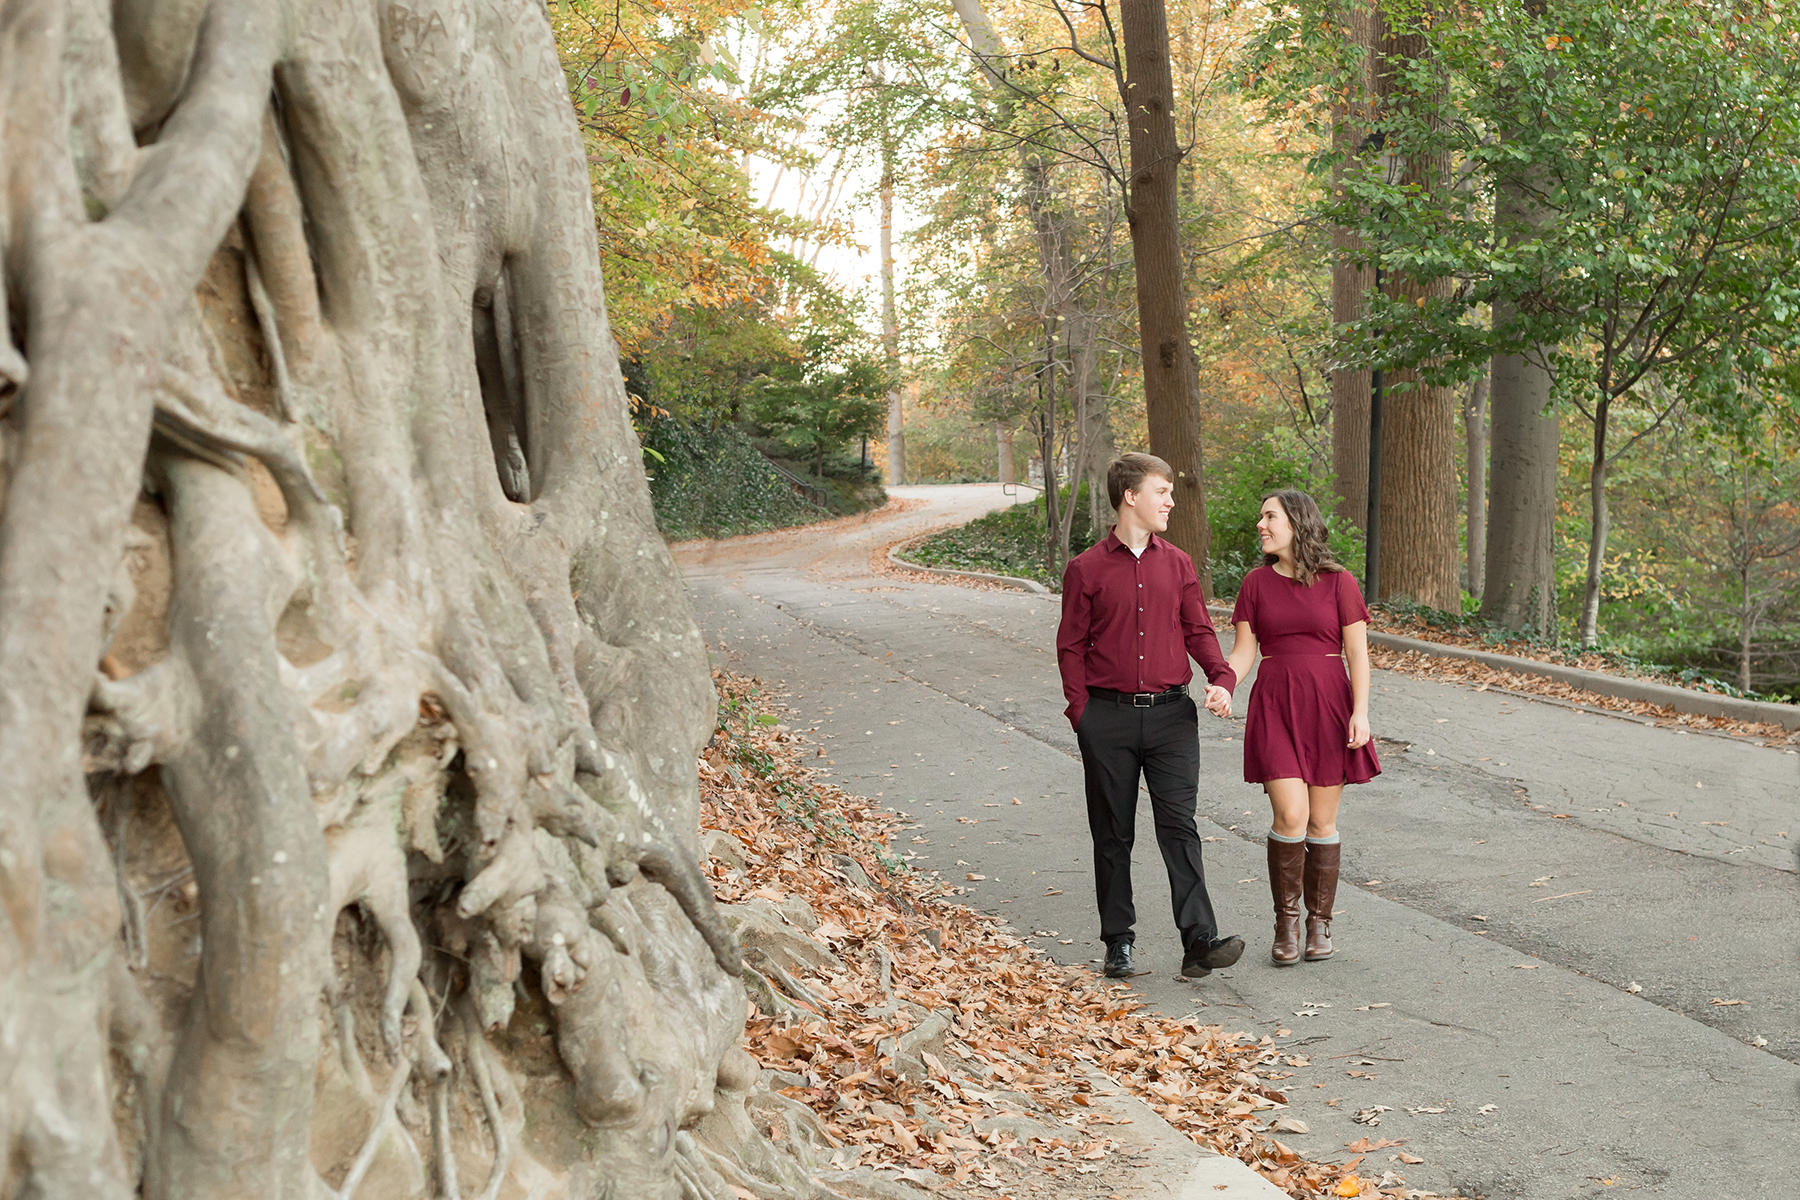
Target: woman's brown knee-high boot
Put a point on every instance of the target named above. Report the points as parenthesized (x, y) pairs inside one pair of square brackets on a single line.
[(1321, 880), (1287, 863)]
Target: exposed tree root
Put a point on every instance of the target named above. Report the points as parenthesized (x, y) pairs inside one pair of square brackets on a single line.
[(326, 557)]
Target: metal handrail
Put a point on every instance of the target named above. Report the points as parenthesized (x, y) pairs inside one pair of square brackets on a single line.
[(812, 492)]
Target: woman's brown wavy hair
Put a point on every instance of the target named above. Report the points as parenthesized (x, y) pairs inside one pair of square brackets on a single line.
[(1312, 542)]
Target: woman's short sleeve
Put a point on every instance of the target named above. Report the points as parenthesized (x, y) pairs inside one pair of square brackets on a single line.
[(1351, 608), (1245, 608)]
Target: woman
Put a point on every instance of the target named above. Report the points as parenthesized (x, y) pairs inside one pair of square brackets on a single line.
[(1307, 731)]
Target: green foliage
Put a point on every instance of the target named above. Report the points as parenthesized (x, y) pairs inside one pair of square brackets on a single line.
[(944, 446), (713, 483), (1709, 553), (819, 402), (1010, 541), (1660, 145), (1236, 482), (666, 132), (705, 363), (1616, 193)]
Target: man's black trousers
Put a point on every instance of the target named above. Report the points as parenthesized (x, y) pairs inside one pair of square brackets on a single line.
[(1118, 742)]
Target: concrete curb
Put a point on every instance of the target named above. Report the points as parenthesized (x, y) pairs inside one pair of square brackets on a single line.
[(1011, 581), (1186, 1170), (1687, 700)]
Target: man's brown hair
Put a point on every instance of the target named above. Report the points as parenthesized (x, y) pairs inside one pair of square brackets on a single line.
[(1126, 474)]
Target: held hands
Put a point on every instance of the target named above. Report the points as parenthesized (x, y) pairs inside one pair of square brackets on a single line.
[(1359, 730), (1218, 701)]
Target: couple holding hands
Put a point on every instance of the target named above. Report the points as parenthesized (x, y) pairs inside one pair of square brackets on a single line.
[(1132, 615)]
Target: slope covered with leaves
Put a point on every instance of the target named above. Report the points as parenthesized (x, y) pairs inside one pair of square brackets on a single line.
[(1002, 1094)]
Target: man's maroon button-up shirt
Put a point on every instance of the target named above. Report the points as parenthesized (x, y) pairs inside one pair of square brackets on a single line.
[(1129, 623)]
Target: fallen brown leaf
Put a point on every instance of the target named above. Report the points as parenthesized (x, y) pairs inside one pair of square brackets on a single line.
[(1020, 1024)]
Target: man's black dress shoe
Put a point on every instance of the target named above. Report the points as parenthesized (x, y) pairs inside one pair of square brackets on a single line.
[(1118, 960), (1203, 957)]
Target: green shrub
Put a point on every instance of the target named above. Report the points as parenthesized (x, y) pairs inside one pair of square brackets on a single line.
[(1235, 485), (711, 482)]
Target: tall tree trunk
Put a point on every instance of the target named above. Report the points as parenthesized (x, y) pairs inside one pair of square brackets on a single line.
[(251, 473), (1047, 447), (890, 326), (1519, 584), (1418, 435), (1600, 520), (1171, 376), (1475, 449), (1092, 424), (1349, 282), (1003, 444)]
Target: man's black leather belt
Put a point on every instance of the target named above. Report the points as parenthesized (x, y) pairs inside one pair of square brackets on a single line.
[(1140, 699)]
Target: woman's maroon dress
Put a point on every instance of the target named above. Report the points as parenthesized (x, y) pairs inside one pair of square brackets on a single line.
[(1300, 705)]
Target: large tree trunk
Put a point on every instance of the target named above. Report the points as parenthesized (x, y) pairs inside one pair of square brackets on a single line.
[(1519, 585), (890, 327), (1171, 376), (328, 575), (1475, 459), (1350, 281), (1003, 447), (1418, 432)]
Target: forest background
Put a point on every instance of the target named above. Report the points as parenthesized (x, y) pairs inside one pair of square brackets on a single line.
[(879, 240)]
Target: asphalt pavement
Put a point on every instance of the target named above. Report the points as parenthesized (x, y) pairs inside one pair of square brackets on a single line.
[(1569, 944)]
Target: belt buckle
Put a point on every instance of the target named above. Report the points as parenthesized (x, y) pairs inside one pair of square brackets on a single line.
[(1143, 700)]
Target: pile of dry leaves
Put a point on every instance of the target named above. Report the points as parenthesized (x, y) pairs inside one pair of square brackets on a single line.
[(928, 1040)]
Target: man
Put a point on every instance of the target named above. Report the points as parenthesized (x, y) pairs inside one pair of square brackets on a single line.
[(1132, 613)]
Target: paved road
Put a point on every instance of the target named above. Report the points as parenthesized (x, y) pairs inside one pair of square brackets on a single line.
[(1519, 870)]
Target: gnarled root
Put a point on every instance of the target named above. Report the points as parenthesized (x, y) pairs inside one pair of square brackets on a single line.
[(367, 867), (388, 676), (239, 1097)]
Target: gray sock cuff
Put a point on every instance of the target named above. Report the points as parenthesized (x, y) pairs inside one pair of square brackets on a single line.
[(1276, 837), (1333, 840)]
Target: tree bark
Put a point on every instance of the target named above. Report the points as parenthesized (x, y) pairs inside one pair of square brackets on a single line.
[(1519, 583), (1746, 628), (260, 580), (1520, 580), (1475, 459), (1599, 518), (890, 326), (1003, 446), (1418, 443), (1171, 376), (1350, 281)]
